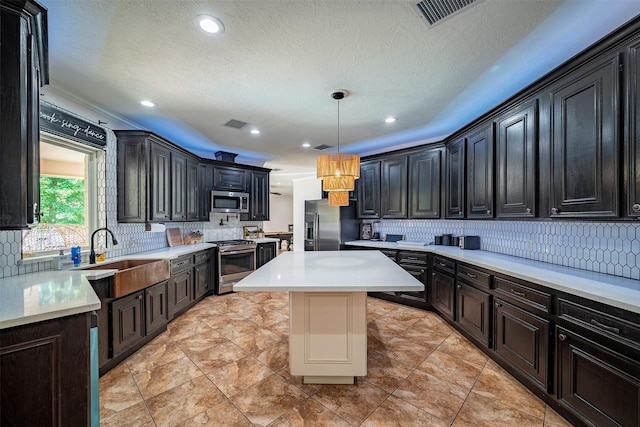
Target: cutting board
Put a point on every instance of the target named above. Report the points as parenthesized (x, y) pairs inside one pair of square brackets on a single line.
[(174, 236)]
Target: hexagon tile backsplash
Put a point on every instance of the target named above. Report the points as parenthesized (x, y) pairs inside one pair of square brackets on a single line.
[(611, 248)]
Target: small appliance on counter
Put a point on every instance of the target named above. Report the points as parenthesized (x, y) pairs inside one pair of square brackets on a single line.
[(469, 242)]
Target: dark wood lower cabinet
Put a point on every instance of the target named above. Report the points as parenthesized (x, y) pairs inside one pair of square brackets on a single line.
[(156, 310), (473, 312), (443, 289), (597, 384), (201, 279), (44, 373), (180, 292), (265, 253), (127, 322), (522, 340)]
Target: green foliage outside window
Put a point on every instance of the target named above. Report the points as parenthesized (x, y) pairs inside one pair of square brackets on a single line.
[(62, 200)]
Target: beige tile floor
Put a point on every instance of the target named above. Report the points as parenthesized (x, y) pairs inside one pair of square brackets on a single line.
[(224, 363)]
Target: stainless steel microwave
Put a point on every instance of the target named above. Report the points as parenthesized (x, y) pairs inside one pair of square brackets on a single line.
[(229, 202)]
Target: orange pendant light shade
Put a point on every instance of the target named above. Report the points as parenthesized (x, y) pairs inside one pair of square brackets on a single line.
[(339, 198)]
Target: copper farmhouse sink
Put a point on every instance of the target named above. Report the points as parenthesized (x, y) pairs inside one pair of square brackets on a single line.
[(134, 274)]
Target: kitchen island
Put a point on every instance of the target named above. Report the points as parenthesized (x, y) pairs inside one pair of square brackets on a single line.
[(328, 307)]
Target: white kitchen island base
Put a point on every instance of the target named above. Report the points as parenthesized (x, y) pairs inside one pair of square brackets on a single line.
[(328, 336), (328, 307)]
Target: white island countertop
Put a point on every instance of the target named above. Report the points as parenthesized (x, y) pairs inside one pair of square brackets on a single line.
[(339, 271)]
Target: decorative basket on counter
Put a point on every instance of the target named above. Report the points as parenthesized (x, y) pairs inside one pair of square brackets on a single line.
[(193, 238)]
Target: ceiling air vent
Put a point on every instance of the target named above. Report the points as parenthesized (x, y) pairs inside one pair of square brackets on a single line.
[(434, 11), (322, 147), (236, 124)]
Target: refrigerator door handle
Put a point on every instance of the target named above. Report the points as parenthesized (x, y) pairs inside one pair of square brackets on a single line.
[(316, 234)]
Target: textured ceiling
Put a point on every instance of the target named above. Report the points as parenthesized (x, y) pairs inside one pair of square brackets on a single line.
[(278, 61)]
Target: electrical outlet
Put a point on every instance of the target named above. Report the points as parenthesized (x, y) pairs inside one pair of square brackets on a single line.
[(131, 243)]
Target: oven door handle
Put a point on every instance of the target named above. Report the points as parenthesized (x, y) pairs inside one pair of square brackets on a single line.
[(237, 252)]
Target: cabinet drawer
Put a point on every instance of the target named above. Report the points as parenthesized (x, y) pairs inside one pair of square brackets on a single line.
[(601, 323), (444, 264), (522, 295), (201, 257), (181, 263), (412, 258), (474, 276)]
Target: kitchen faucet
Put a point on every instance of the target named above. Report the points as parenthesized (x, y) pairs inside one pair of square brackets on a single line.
[(92, 254)]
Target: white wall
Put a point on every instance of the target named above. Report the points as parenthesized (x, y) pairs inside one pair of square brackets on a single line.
[(303, 189), (280, 212)]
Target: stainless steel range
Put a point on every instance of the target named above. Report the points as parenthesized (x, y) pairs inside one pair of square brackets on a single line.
[(236, 260)]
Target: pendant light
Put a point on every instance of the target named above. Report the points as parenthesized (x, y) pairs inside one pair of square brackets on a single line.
[(338, 172)]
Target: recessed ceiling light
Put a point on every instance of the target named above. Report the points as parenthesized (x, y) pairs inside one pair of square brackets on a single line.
[(306, 145), (148, 103), (255, 131), (210, 24), (390, 120)]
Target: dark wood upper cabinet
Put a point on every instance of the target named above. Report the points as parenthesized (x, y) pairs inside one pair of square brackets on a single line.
[(25, 67), (480, 173), (393, 188), (193, 190), (132, 179), (632, 143), (516, 161), (230, 179), (160, 182), (584, 142), (424, 184), (178, 187), (454, 185), (369, 190), (259, 196), (205, 185)]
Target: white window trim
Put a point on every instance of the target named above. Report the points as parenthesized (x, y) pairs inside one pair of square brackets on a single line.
[(91, 184)]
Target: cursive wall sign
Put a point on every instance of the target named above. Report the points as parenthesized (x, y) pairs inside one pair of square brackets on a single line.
[(63, 124)]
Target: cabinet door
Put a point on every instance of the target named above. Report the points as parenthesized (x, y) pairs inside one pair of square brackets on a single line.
[(266, 252), (201, 279), (127, 322), (180, 292), (522, 340), (480, 173), (473, 311), (160, 183), (205, 184), (584, 142), (132, 180), (178, 187), (393, 188), (424, 184), (516, 151), (632, 143), (454, 185), (443, 294), (369, 190), (595, 383), (156, 310), (229, 178), (259, 196), (193, 190)]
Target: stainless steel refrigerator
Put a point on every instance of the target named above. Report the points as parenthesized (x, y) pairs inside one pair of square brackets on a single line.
[(328, 227)]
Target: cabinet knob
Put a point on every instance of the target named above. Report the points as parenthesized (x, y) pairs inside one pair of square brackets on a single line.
[(421, 271), (562, 337), (497, 305), (488, 211), (459, 286), (555, 210), (435, 213), (528, 210), (459, 212), (433, 274), (139, 297), (636, 207)]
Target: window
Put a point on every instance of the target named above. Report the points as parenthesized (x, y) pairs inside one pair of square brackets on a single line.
[(68, 187)]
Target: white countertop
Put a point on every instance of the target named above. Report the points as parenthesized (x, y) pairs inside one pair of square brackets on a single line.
[(51, 294), (612, 290), (340, 271)]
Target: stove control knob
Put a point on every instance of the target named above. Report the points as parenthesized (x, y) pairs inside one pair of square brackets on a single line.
[(636, 207)]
